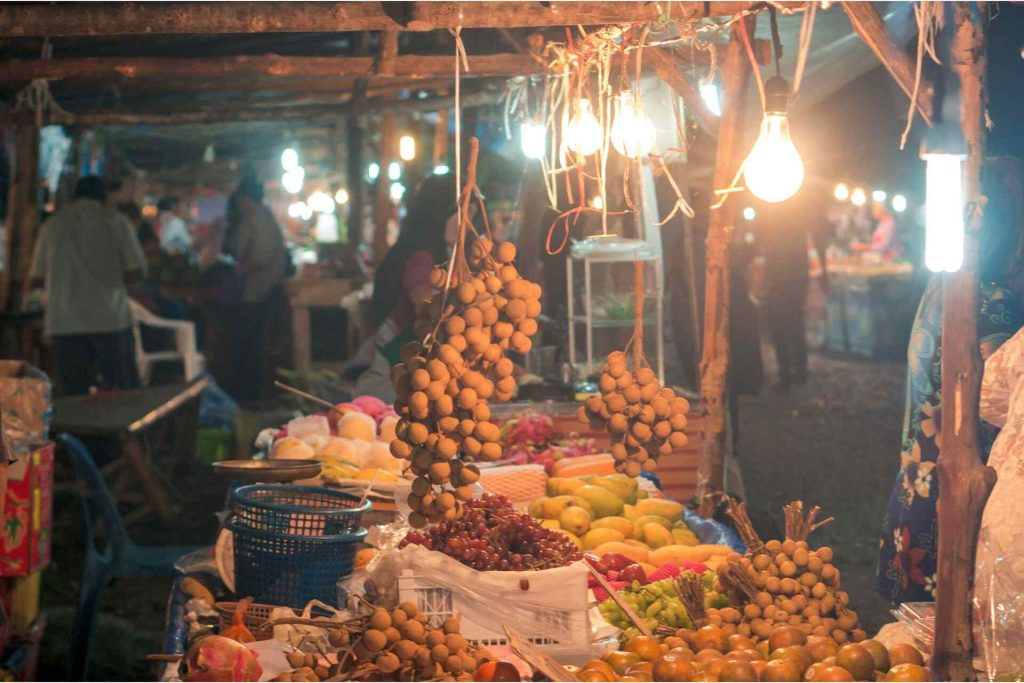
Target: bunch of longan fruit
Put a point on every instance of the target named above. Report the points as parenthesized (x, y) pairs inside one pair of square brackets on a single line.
[(644, 419), (796, 586), (444, 384)]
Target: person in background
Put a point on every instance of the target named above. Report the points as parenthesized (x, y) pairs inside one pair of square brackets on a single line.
[(403, 278), (883, 238), (907, 556), (172, 226), (86, 256)]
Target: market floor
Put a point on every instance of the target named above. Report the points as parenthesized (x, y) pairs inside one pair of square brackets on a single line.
[(835, 443)]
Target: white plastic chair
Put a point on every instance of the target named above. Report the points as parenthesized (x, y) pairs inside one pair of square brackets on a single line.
[(184, 342)]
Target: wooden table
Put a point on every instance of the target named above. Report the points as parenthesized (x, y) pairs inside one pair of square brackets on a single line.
[(125, 416), (305, 295)]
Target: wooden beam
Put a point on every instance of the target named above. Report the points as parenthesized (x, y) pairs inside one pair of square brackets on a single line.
[(714, 363), (22, 211), (387, 56), (278, 66), (144, 18), (964, 482), (870, 26), (669, 72)]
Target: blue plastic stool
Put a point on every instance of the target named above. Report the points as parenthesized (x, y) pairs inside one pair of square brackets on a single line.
[(120, 558)]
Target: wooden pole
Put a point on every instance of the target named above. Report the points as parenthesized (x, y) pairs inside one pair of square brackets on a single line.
[(667, 71), (714, 363), (111, 19), (385, 209), (22, 210), (964, 482), (870, 26)]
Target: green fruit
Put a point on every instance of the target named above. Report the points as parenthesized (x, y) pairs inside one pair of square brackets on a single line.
[(603, 502)]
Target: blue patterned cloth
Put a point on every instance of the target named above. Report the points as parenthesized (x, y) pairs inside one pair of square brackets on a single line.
[(908, 548)]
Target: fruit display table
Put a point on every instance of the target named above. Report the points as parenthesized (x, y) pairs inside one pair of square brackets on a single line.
[(870, 310)]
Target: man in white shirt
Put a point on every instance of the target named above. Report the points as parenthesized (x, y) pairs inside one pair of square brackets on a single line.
[(87, 255), (175, 236)]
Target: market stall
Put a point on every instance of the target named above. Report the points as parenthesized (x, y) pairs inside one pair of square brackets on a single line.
[(460, 532)]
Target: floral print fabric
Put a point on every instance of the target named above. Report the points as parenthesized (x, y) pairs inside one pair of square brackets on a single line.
[(908, 548)]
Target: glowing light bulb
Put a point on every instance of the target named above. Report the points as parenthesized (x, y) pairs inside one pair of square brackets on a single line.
[(394, 170), (774, 170), (944, 213), (397, 191), (597, 202), (373, 170), (841, 193), (583, 133), (407, 148), (878, 196), (307, 212), (296, 209), (289, 159), (533, 139), (709, 93), (858, 197), (320, 202), (442, 169), (292, 179), (632, 132), (899, 203), (341, 196), (749, 213)]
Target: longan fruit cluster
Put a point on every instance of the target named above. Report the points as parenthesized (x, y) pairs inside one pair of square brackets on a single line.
[(797, 587), (401, 645), (444, 384), (644, 419)]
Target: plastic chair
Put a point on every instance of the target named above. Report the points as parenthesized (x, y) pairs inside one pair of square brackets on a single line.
[(120, 558), (184, 342)]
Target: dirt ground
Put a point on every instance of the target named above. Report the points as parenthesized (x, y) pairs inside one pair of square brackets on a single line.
[(835, 443)]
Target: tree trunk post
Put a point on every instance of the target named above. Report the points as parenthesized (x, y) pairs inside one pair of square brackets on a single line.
[(714, 363), (964, 482), (22, 210)]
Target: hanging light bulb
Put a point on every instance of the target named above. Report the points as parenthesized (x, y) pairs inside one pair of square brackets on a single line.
[(394, 170), (899, 203), (858, 197), (583, 133), (944, 213), (774, 170), (709, 93), (632, 132), (292, 179), (289, 159), (533, 139), (341, 196), (320, 202), (296, 209), (842, 192), (373, 170), (407, 148)]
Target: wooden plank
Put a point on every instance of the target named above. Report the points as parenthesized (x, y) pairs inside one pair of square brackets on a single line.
[(143, 18), (964, 482), (714, 363), (22, 211), (277, 66), (870, 26)]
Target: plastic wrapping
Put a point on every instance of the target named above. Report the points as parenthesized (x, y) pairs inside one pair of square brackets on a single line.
[(999, 614), (25, 405), (711, 532)]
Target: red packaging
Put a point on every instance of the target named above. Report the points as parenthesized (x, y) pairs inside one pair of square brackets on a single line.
[(28, 513)]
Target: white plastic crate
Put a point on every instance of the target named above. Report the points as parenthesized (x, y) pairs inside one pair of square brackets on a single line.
[(550, 608)]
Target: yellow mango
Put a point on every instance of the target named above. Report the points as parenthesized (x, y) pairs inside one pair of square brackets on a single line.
[(596, 537), (668, 509), (551, 524), (641, 494), (620, 524), (603, 503), (636, 543), (629, 512), (536, 508), (652, 519), (619, 484), (655, 535), (562, 486), (375, 473), (551, 508), (637, 554), (684, 537), (575, 519), (677, 554)]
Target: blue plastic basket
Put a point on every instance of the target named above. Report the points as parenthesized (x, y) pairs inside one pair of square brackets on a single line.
[(290, 570), (297, 510)]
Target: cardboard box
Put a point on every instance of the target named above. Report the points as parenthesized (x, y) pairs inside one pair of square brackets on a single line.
[(28, 513)]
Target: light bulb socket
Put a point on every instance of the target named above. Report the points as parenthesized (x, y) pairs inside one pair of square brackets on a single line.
[(776, 95)]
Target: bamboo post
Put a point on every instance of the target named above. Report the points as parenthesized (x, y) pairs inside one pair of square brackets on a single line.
[(964, 482), (22, 210), (385, 209), (714, 363)]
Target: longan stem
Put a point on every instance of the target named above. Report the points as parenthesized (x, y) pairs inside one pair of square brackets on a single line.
[(691, 594), (798, 527)]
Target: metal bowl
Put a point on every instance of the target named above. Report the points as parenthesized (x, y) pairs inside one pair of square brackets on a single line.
[(268, 470)]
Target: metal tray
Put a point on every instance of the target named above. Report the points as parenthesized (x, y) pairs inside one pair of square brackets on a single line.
[(268, 470)]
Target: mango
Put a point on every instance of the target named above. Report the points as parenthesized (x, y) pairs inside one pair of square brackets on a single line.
[(677, 554), (536, 508), (620, 524), (630, 513), (603, 502), (551, 508), (375, 473), (641, 494), (575, 519), (551, 524), (597, 537), (635, 543), (668, 509), (619, 484), (637, 554), (562, 486), (574, 538), (652, 519), (655, 535), (684, 537)]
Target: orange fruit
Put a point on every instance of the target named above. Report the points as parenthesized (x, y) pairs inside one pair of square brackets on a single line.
[(619, 661), (601, 667), (594, 675), (738, 642), (737, 670), (708, 637), (644, 671), (907, 672), (781, 670), (857, 660), (672, 668), (821, 647), (905, 653), (784, 636), (878, 653), (832, 673), (645, 647)]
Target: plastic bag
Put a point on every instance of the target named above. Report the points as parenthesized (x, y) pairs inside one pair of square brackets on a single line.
[(999, 613)]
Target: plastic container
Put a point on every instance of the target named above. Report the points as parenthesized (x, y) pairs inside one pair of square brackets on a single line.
[(297, 510), (290, 569)]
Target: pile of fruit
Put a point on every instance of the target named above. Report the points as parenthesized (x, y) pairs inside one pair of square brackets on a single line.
[(483, 308), (644, 419), (610, 514), (709, 655), (492, 535), (532, 439), (659, 605)]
